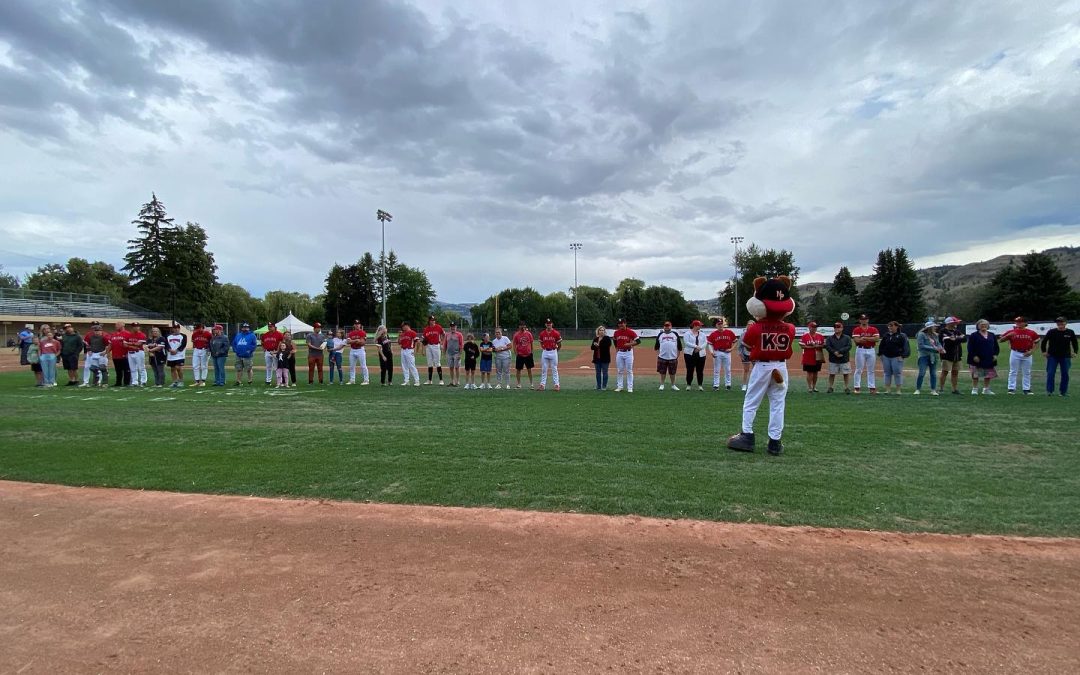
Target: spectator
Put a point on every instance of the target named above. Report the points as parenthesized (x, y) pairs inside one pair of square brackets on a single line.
[(33, 359), (744, 356), (71, 345), (866, 338), (668, 345), (281, 362), (982, 357), (839, 347), (523, 348), (1059, 346), (625, 339), (407, 340), (357, 353), (290, 350), (48, 352), (177, 346), (1021, 341), (219, 352), (930, 349), (694, 346), (502, 346), (454, 342), (386, 356), (136, 355), (952, 340), (487, 350), (472, 353), (270, 341), (157, 349), (118, 349), (26, 338), (97, 357), (550, 344), (601, 356), (721, 341), (894, 348), (812, 344), (244, 345), (316, 343), (200, 354), (336, 347)]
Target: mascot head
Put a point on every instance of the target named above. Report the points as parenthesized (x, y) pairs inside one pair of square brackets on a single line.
[(772, 298)]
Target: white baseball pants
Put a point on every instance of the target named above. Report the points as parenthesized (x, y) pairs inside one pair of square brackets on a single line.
[(549, 360), (1022, 364), (865, 359), (624, 367), (433, 353), (408, 365), (357, 356), (137, 364), (200, 361), (761, 384), (721, 361), (101, 360), (270, 359)]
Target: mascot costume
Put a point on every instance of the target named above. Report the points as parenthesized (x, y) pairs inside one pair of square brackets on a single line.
[(769, 341)]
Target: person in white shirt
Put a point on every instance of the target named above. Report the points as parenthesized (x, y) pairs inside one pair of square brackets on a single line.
[(668, 346), (502, 346), (694, 346), (177, 345)]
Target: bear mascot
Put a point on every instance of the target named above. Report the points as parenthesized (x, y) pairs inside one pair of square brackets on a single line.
[(769, 341)]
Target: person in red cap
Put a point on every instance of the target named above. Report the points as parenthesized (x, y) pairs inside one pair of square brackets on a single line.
[(357, 338), (316, 343), (866, 338), (200, 354), (270, 341), (219, 352), (721, 342), (1022, 342), (694, 346), (118, 347), (812, 344), (434, 339), (550, 344), (136, 355), (625, 339), (952, 340)]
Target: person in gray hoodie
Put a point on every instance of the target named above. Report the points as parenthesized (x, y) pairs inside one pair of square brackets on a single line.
[(219, 352)]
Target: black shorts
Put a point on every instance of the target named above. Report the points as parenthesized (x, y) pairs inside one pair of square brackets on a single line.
[(470, 364), (175, 364), (525, 362), (812, 368), (70, 361), (35, 367)]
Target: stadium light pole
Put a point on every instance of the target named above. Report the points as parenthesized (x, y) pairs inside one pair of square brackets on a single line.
[(737, 241), (383, 217), (575, 247)]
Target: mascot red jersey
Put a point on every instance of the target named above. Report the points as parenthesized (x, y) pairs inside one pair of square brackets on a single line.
[(769, 341)]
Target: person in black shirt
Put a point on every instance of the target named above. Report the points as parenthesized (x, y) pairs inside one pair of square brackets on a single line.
[(472, 352), (386, 356), (158, 348), (952, 340), (601, 356), (1058, 346), (893, 349)]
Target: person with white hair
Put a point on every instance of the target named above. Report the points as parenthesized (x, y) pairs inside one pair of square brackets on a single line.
[(982, 355), (928, 345)]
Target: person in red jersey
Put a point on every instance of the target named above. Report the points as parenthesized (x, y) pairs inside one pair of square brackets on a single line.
[(270, 341), (200, 354), (721, 342), (1022, 341), (813, 355), (523, 348), (357, 338), (769, 340), (136, 355), (550, 343), (407, 340), (434, 338), (118, 349), (866, 338), (625, 339)]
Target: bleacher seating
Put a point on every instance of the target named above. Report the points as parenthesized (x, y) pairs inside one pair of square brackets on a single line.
[(69, 308)]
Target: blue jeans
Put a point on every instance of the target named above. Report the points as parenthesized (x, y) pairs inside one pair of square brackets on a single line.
[(601, 374), (335, 364), (926, 362), (1052, 364), (894, 370), (48, 368), (219, 370)]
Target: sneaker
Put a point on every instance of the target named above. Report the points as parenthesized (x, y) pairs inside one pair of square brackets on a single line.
[(728, 387), (716, 388), (743, 387), (406, 383), (956, 392), (700, 388), (857, 390), (350, 382), (364, 383), (847, 391), (1027, 392), (776, 448), (519, 386), (661, 387), (540, 388), (618, 389), (676, 388), (498, 386), (873, 390), (631, 391), (417, 384), (1011, 392), (427, 383), (987, 392), (934, 392), (440, 383), (916, 392), (741, 442), (974, 391), (829, 390), (84, 385), (556, 387)]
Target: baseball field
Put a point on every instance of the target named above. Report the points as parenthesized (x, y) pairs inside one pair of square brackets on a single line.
[(451, 589)]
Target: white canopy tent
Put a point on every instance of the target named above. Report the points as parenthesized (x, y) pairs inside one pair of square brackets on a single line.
[(290, 324)]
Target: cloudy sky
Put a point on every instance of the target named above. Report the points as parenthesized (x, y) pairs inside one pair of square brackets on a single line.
[(499, 132)]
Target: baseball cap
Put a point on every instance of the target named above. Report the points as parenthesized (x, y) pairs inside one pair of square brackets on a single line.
[(1061, 319), (695, 324), (67, 325), (863, 316), (812, 324), (930, 324), (952, 319), (245, 325), (548, 321), (431, 317), (667, 324), (198, 325), (218, 326), (134, 323), (453, 324), (1020, 319), (317, 325), (95, 326), (621, 319), (271, 325), (838, 324), (176, 324)]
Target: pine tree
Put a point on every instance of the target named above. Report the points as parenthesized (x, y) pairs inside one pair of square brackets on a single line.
[(894, 291), (844, 284), (1035, 289), (147, 251)]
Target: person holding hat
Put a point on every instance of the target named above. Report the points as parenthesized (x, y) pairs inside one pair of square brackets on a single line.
[(244, 345), (721, 342), (454, 341), (1021, 341), (316, 343), (136, 355), (408, 340), (270, 341), (667, 347), (893, 349), (71, 345), (177, 345), (812, 344), (434, 339), (219, 353), (838, 345), (625, 340), (550, 344), (866, 338), (357, 338), (96, 343), (523, 348), (929, 349), (982, 357), (952, 340), (157, 348), (200, 354), (694, 346), (1058, 346)]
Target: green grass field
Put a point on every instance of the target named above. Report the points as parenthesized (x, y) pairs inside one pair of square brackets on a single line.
[(1007, 464)]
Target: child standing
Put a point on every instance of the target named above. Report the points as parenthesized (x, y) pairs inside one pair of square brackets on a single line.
[(471, 352), (486, 350), (282, 360), (336, 347)]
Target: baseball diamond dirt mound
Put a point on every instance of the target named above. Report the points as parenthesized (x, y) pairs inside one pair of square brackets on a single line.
[(109, 580)]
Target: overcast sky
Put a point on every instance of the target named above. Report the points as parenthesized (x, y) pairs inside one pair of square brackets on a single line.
[(497, 133)]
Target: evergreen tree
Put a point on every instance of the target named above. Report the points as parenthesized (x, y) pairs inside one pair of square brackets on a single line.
[(894, 292), (147, 251), (1035, 289), (753, 262), (844, 284)]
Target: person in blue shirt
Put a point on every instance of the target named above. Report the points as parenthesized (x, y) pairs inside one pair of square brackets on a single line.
[(244, 344), (26, 338)]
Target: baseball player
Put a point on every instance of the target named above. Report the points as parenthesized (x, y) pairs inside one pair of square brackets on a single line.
[(550, 343), (118, 348), (523, 348), (721, 342), (408, 339), (357, 355), (434, 337), (270, 341), (200, 354), (1022, 342), (136, 355), (866, 338), (454, 343), (625, 340), (97, 357)]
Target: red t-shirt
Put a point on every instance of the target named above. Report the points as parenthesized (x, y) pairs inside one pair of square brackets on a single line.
[(808, 341), (624, 339), (549, 339), (356, 338), (523, 343), (200, 339), (118, 344), (136, 342), (722, 339), (1021, 339), (271, 339), (770, 340), (407, 338), (433, 334), (49, 346), (868, 332)]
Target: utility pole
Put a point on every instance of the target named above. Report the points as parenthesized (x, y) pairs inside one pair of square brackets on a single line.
[(575, 247), (383, 217), (737, 241)]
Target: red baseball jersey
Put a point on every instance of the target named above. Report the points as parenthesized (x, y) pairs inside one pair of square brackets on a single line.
[(1021, 339), (770, 340), (860, 335), (433, 334), (808, 342), (271, 339), (722, 339), (356, 338), (118, 344), (200, 339), (407, 338), (624, 338), (549, 339), (136, 342), (523, 343)]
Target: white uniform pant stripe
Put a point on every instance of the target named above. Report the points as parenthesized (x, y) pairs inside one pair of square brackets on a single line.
[(1021, 364), (358, 357), (624, 367), (549, 360), (200, 361), (408, 365), (137, 364), (721, 360), (759, 386), (865, 359)]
